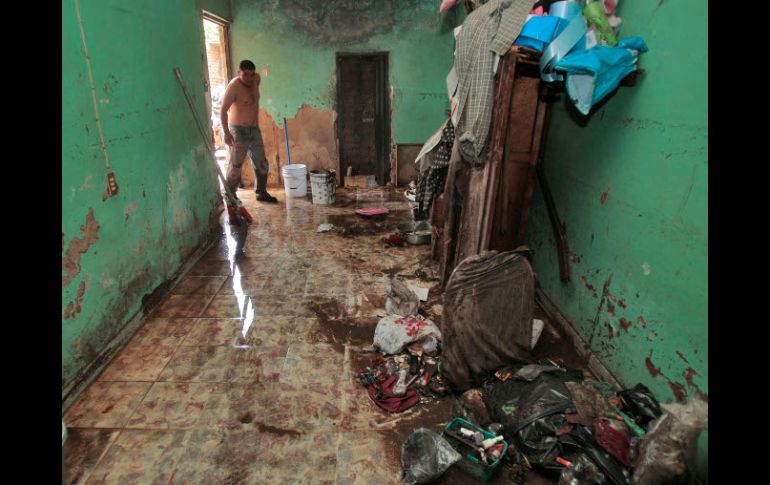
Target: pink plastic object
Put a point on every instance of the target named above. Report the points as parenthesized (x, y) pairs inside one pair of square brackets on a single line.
[(447, 4), (372, 211), (539, 11)]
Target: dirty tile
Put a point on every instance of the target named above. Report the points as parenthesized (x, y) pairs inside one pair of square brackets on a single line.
[(214, 331), (182, 306), (219, 364), (262, 330), (362, 458), (141, 359), (170, 405), (199, 285), (244, 285), (160, 328), (209, 267), (308, 363), (106, 404), (139, 456), (285, 283), (83, 450), (221, 456), (227, 306)]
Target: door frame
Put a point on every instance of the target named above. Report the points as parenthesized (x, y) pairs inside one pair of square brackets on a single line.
[(382, 113), (225, 24)]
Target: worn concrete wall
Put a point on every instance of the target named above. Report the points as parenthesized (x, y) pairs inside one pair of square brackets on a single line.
[(631, 186), (116, 250), (293, 44)]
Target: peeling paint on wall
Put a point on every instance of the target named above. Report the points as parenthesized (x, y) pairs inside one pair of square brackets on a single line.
[(70, 263), (73, 308)]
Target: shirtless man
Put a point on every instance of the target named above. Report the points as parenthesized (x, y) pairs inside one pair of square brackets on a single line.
[(242, 132)]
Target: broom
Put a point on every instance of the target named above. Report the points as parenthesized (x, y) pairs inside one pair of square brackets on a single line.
[(241, 216)]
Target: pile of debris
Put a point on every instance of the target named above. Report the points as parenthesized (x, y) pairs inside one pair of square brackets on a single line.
[(513, 411), (408, 372)]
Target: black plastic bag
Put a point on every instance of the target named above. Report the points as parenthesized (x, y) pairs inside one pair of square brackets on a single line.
[(583, 472), (580, 439), (640, 405)]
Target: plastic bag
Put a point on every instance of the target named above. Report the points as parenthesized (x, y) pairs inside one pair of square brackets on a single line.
[(581, 440), (532, 414), (401, 300), (594, 73), (668, 450), (640, 405), (583, 472), (533, 371), (394, 332), (425, 456)]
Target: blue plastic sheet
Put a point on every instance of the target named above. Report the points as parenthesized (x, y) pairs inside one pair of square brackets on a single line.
[(540, 31), (594, 73)]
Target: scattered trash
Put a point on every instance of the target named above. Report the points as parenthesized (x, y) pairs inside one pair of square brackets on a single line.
[(372, 211), (581, 471), (537, 330), (400, 299), (489, 302), (589, 403), (420, 291), (325, 228), (533, 371), (382, 390), (668, 450), (613, 437), (425, 456), (482, 450), (394, 332), (394, 239), (473, 401), (639, 404), (430, 345)]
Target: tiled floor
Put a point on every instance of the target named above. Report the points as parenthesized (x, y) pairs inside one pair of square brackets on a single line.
[(245, 372)]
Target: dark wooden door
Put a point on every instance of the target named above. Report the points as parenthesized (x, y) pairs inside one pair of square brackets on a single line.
[(362, 124)]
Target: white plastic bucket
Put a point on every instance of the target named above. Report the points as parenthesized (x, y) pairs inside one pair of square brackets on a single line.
[(323, 184), (295, 180)]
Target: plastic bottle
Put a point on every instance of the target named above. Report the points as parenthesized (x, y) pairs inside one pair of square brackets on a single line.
[(596, 18), (400, 388)]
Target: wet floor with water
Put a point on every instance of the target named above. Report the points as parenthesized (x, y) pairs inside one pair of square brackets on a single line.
[(245, 372)]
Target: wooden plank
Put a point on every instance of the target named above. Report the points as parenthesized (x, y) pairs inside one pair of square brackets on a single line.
[(500, 121)]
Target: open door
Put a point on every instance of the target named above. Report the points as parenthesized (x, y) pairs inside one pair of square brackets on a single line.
[(216, 35)]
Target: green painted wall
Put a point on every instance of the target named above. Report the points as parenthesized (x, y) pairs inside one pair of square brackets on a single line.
[(166, 179), (293, 44), (631, 187), (220, 8)]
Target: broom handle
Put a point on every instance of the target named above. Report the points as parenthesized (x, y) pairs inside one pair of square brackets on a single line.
[(286, 132), (202, 131)]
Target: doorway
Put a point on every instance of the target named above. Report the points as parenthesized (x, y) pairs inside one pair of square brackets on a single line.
[(216, 38), (363, 126)]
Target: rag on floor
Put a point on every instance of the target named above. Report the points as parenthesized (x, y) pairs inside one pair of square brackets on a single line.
[(488, 32)]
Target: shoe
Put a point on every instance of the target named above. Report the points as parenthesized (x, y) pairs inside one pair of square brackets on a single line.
[(265, 197)]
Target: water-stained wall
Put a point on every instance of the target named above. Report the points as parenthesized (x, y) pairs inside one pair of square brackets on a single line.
[(294, 43), (631, 185), (118, 249)]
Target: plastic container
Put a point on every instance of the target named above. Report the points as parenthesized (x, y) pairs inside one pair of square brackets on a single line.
[(323, 185), (295, 179), (470, 464)]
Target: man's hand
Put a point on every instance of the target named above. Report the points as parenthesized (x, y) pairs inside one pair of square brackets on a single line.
[(229, 138)]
